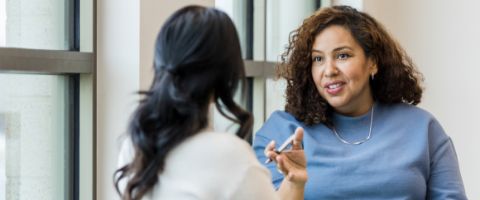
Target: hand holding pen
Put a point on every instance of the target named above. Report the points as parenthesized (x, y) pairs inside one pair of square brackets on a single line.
[(290, 162)]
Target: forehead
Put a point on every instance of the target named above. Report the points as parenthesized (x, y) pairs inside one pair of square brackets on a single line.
[(332, 37)]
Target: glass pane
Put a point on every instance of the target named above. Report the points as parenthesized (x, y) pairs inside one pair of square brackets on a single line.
[(275, 95), (238, 12), (284, 16), (34, 135), (220, 123), (86, 25), (249, 19), (35, 24)]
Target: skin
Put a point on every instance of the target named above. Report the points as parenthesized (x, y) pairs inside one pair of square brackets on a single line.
[(293, 165), (341, 71)]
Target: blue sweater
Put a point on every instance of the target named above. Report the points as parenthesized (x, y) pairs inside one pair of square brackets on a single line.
[(409, 156)]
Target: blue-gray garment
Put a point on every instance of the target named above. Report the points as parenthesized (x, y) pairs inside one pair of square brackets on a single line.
[(409, 156)]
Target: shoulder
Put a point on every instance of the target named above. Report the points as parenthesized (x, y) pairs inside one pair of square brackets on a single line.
[(409, 110), (415, 118), (252, 183), (214, 147), (279, 122), (216, 156), (216, 139), (281, 116), (208, 165), (405, 113)]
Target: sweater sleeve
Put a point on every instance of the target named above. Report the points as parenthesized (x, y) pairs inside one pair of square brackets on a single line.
[(278, 127), (445, 181)]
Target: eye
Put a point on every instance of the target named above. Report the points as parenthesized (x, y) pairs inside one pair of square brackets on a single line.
[(343, 56), (317, 59)]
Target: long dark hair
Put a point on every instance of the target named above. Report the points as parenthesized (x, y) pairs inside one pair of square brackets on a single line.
[(397, 80), (197, 61)]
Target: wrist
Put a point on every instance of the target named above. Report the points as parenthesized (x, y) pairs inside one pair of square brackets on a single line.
[(295, 184)]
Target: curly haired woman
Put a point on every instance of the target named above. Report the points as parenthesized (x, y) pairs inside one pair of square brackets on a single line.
[(353, 89)]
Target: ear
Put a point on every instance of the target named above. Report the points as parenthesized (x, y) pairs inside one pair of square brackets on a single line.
[(373, 69), (372, 66)]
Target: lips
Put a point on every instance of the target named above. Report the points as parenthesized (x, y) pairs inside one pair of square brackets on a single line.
[(334, 87)]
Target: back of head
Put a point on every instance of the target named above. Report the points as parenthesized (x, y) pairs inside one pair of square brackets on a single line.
[(199, 47), (397, 79), (197, 61)]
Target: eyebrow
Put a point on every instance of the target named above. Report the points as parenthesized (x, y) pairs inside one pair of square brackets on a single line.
[(336, 49)]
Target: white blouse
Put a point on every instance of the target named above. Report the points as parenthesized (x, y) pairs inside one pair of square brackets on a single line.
[(209, 165)]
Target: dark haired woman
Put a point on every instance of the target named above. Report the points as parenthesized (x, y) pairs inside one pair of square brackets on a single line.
[(354, 90), (172, 152)]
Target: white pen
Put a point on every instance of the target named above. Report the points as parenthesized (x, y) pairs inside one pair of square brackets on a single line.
[(283, 146)]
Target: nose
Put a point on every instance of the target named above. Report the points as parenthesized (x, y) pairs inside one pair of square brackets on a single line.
[(331, 69)]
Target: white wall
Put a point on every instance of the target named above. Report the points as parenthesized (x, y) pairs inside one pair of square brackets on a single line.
[(118, 28), (443, 37), (152, 16)]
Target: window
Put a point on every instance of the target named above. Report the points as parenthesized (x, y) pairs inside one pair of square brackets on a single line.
[(34, 137), (282, 18), (35, 24), (46, 107), (264, 27)]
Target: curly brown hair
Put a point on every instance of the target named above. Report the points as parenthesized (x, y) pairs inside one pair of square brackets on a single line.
[(397, 79)]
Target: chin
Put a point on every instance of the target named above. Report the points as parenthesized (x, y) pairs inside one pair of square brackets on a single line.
[(338, 101), (336, 104)]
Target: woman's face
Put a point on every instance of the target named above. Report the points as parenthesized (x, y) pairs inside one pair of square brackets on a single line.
[(341, 71)]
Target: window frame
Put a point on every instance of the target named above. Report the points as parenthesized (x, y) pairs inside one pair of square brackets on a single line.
[(257, 68)]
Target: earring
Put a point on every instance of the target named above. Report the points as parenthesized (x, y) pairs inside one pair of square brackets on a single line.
[(372, 75)]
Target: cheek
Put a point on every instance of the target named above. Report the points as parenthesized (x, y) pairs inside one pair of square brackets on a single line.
[(358, 76), (316, 76)]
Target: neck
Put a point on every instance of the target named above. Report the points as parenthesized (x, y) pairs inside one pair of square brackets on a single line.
[(356, 110)]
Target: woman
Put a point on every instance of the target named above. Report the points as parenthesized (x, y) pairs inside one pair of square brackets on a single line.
[(354, 90), (172, 152)]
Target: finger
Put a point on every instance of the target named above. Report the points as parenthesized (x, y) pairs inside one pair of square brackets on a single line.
[(281, 165), (280, 171), (297, 141), (283, 169), (271, 154), (269, 147)]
